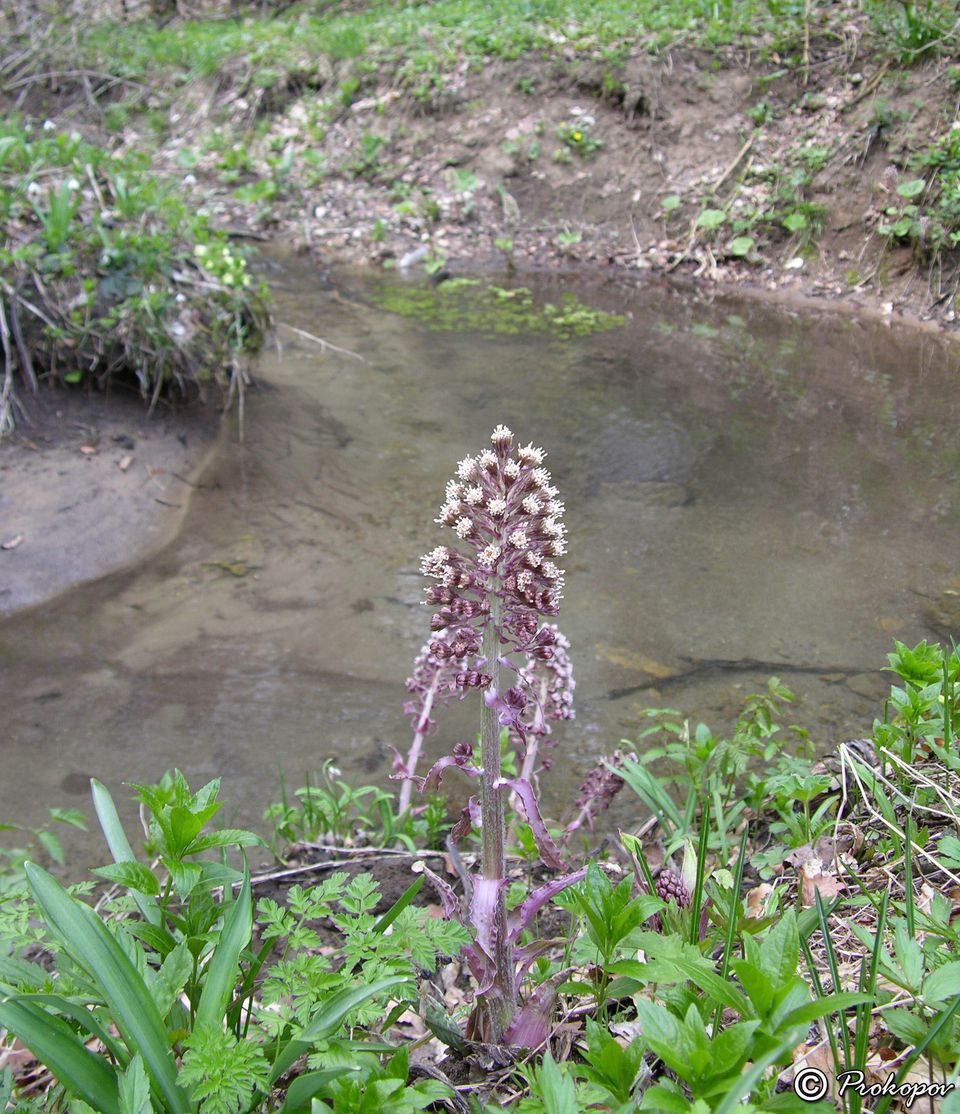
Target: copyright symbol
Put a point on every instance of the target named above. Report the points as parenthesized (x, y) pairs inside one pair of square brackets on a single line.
[(810, 1084)]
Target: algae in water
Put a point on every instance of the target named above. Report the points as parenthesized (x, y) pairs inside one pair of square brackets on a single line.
[(463, 304)]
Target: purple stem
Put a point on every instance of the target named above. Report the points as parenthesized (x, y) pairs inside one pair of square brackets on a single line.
[(501, 1000), (533, 739), (413, 757)]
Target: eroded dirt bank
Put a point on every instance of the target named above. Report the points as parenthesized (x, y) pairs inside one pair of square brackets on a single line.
[(536, 162)]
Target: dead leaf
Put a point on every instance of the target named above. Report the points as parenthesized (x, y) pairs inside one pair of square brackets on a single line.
[(125, 463), (801, 856), (88, 450), (757, 899), (13, 542), (813, 880)]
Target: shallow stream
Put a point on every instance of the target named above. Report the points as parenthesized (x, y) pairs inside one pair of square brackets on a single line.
[(749, 490)]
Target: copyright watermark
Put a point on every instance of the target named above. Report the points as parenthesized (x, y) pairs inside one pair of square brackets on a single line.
[(812, 1085)]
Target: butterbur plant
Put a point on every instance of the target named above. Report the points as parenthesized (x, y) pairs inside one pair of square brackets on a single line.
[(495, 587)]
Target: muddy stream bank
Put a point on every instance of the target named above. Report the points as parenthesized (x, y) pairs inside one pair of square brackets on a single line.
[(748, 491)]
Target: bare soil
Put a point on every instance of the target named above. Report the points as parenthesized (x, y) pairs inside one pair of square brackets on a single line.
[(89, 483), (678, 124)]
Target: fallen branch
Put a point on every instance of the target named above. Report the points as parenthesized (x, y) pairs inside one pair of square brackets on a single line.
[(325, 344)]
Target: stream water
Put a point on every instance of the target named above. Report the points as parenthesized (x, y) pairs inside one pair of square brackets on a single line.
[(748, 491)]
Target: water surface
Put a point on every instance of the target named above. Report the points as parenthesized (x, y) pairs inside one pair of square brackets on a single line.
[(748, 490)]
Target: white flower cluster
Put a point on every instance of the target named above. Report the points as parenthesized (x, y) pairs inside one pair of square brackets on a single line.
[(503, 506)]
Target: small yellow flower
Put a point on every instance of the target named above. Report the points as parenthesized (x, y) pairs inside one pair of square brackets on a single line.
[(576, 137)]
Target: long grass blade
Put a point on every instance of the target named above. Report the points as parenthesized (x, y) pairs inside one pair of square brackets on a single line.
[(833, 967), (89, 942), (733, 915), (933, 1032), (118, 843), (328, 1019), (398, 906), (697, 901), (221, 975), (57, 1047)]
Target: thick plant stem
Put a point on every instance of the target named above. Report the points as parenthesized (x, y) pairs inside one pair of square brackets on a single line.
[(502, 997)]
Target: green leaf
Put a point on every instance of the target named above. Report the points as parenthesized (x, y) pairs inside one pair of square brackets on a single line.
[(14, 971), (711, 218), (172, 977), (832, 1003), (751, 1077), (135, 1089), (780, 950), (729, 1048), (942, 984), (221, 976), (328, 1019), (56, 1046), (399, 905), (135, 876), (913, 188), (905, 1026), (70, 816), (53, 847), (117, 842), (557, 1088), (664, 1101), (756, 983), (685, 959), (186, 876), (73, 377), (90, 943), (662, 1031), (186, 824), (795, 222), (86, 1019), (668, 204), (741, 246), (226, 837), (306, 1086)]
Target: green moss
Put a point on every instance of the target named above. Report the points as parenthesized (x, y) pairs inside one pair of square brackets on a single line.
[(469, 305)]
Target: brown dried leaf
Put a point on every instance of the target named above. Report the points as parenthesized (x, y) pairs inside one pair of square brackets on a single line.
[(124, 464), (813, 879), (757, 899), (801, 856), (88, 450)]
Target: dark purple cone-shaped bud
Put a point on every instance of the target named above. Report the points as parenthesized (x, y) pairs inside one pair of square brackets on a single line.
[(669, 886)]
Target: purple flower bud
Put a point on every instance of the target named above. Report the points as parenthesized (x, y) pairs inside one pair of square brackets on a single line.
[(669, 886)]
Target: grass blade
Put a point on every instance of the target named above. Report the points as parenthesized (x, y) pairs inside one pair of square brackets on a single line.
[(91, 944), (932, 1033), (328, 1019), (221, 976), (118, 843), (697, 900), (834, 968), (398, 906), (732, 917), (55, 1045)]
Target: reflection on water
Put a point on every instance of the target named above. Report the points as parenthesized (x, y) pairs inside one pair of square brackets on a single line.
[(752, 489)]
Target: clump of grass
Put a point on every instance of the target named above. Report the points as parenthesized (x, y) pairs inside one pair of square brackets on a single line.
[(105, 271)]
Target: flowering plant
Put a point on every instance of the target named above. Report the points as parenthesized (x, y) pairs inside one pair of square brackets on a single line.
[(493, 589)]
